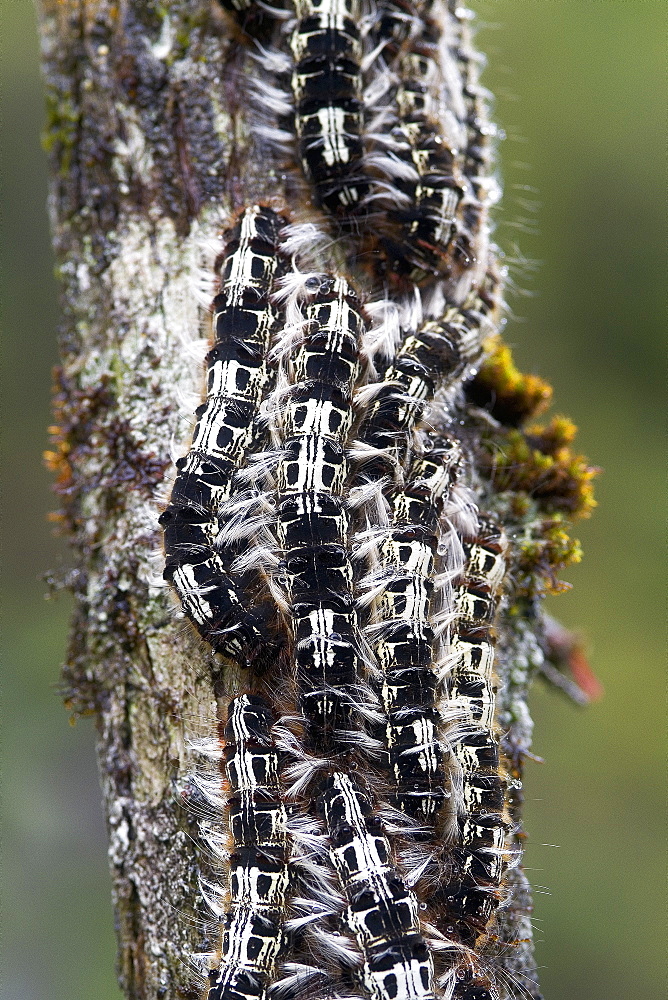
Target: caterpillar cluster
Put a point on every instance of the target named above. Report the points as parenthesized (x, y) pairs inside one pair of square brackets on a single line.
[(323, 534)]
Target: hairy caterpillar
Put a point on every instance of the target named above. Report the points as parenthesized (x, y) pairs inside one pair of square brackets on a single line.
[(417, 163), (436, 356), (471, 891), (382, 910), (238, 375), (311, 520), (327, 89), (477, 158), (401, 583), (259, 876)]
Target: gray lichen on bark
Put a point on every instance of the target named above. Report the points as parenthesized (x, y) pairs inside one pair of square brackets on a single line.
[(147, 132)]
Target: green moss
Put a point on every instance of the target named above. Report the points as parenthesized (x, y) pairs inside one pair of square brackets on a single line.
[(542, 465), (60, 129), (539, 484), (511, 397)]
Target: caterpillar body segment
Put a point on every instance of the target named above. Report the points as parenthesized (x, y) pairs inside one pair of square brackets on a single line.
[(259, 875), (471, 983), (312, 523), (382, 911), (475, 605), (238, 376), (326, 84), (478, 859), (404, 647), (396, 22)]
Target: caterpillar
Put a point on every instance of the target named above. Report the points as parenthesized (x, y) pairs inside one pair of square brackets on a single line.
[(311, 520), (419, 182), (401, 582), (238, 375), (382, 910), (471, 891), (324, 960), (435, 357), (477, 158), (253, 931), (326, 83)]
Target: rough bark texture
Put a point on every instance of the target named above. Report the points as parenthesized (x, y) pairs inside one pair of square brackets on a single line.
[(149, 150)]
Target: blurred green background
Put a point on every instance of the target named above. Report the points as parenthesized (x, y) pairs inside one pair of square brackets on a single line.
[(580, 96)]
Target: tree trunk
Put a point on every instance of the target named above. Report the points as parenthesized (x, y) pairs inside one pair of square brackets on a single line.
[(150, 150)]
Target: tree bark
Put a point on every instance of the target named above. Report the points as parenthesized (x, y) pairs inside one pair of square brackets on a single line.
[(150, 149)]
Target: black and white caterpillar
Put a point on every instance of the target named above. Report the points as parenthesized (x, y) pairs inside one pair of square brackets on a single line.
[(244, 319), (259, 878), (401, 636), (479, 130), (383, 912), (314, 418), (417, 164), (477, 859), (326, 85), (399, 582)]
